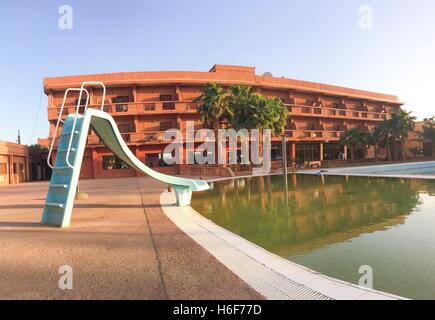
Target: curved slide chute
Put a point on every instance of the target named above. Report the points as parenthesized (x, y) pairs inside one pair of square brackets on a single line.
[(66, 169)]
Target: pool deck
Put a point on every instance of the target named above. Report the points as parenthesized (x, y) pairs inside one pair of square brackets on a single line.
[(272, 276), (120, 246)]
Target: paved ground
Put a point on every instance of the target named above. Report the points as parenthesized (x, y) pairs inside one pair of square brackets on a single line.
[(120, 246)]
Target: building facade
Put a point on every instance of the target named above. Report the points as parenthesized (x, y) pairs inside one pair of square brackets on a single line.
[(14, 163), (416, 144), (145, 104)]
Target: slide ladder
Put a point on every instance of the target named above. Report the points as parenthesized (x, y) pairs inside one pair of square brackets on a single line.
[(72, 142)]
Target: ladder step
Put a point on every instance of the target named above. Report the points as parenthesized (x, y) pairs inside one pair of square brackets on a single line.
[(62, 168), (61, 186), (54, 204), (65, 150)]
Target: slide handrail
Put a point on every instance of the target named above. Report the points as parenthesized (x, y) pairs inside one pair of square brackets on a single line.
[(59, 119), (82, 88), (98, 83)]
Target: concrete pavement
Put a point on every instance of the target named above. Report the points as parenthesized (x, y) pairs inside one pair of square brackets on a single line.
[(120, 246)]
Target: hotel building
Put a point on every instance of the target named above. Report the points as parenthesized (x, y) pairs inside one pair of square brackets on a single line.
[(145, 104)]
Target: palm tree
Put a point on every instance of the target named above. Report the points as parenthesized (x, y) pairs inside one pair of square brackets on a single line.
[(403, 123), (429, 133), (252, 111), (375, 140), (354, 140), (367, 139), (384, 134), (214, 106), (243, 108)]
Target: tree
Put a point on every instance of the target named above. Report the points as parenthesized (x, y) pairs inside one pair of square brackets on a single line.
[(243, 108), (403, 123), (429, 133), (384, 134), (252, 111), (376, 141), (215, 107), (367, 139), (37, 148), (354, 140)]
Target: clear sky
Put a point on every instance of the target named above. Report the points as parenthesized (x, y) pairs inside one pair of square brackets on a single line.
[(315, 40)]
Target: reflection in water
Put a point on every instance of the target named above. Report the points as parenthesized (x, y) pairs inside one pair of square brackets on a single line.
[(321, 222), (306, 212)]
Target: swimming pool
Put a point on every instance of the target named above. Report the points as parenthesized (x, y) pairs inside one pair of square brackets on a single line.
[(336, 224)]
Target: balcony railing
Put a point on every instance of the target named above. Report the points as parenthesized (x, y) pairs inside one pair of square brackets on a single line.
[(147, 107), (133, 108), (295, 110), (158, 137), (313, 134)]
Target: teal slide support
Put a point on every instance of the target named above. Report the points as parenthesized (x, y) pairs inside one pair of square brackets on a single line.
[(63, 185)]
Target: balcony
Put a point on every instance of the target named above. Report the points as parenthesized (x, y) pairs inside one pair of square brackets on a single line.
[(300, 110), (321, 135), (132, 108)]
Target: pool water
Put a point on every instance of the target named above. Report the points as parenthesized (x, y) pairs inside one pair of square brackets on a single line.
[(336, 224)]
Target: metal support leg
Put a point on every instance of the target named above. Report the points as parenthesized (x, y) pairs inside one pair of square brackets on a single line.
[(183, 195)]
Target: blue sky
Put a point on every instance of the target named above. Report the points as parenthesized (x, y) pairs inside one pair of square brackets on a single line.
[(308, 39)]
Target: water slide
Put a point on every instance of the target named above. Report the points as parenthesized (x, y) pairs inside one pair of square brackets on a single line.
[(72, 141)]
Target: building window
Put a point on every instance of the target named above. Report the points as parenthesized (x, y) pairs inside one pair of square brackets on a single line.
[(167, 125), (126, 127), (149, 107), (121, 99), (158, 159), (306, 152), (3, 169), (310, 103), (337, 127), (82, 102), (165, 97), (276, 153), (152, 159), (167, 105), (311, 126), (113, 163), (121, 108), (333, 151), (121, 103)]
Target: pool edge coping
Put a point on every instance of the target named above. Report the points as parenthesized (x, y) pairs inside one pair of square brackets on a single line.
[(218, 241)]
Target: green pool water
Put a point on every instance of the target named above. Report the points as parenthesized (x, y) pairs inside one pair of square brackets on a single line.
[(335, 224)]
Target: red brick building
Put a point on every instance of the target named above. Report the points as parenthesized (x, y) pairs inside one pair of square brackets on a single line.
[(145, 104)]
